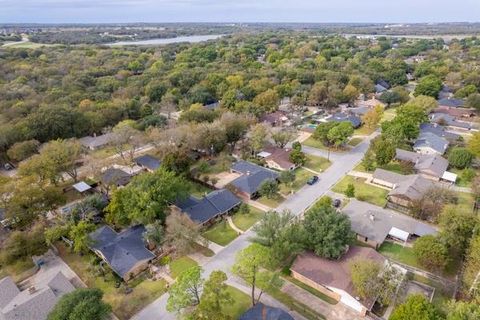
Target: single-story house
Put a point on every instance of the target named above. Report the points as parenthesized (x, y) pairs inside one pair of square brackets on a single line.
[(455, 112), (445, 93), (452, 122), (34, 303), (440, 131), (409, 190), (333, 277), (277, 158), (383, 83), (124, 252), (263, 312), (374, 224), (451, 103), (148, 162), (115, 177), (345, 117), (431, 166), (212, 206), (429, 143), (97, 142), (252, 177), (275, 119)]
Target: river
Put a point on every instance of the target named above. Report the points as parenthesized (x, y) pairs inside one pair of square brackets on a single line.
[(162, 41)]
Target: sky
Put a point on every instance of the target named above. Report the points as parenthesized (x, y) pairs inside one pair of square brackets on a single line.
[(109, 11)]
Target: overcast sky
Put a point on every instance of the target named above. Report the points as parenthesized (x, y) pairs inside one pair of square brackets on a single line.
[(58, 11)]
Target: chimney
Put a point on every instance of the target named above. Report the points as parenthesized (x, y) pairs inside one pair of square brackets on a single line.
[(248, 172), (371, 217), (32, 290)]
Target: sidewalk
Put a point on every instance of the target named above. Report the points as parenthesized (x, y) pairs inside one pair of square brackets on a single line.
[(233, 226)]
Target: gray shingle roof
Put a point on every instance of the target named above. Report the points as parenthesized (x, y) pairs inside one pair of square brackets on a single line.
[(450, 121), (263, 312), (344, 117), (413, 188), (252, 176), (122, 251), (148, 161), (430, 140), (35, 305), (375, 222), (451, 102), (98, 141), (115, 176), (212, 205), (388, 176), (439, 131), (433, 165)]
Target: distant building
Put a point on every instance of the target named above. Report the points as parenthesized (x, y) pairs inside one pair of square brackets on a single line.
[(345, 117), (440, 131), (429, 166), (429, 143), (148, 162), (34, 303), (124, 252), (209, 208), (451, 122), (278, 158), (275, 119), (251, 179), (97, 142), (451, 103), (114, 177)]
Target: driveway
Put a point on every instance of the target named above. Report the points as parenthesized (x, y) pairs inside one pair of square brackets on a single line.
[(297, 203)]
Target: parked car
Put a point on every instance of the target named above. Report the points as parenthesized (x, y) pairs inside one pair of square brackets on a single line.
[(312, 180), (337, 203)]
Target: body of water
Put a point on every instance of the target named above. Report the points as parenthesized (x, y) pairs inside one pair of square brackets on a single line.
[(153, 42)]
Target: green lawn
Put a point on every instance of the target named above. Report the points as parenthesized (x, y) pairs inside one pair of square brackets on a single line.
[(388, 114), (124, 306), (241, 303), (203, 250), (311, 142), (199, 190), (315, 163), (313, 291), (355, 141), (465, 201), (220, 233), (363, 131), (245, 221), (301, 178), (399, 253), (363, 191), (272, 203), (178, 266), (461, 181)]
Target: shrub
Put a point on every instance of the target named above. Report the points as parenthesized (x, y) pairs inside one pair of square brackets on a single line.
[(460, 158), (350, 191)]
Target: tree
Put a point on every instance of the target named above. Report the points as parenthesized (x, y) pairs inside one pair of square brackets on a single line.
[(460, 157), (373, 117), (248, 265), (186, 290), (282, 137), (463, 310), (431, 253), (298, 157), (322, 130), (146, 198), (267, 101), (272, 223), (79, 234), (471, 275), (20, 245), (350, 191), (428, 86), (214, 298), (269, 189), (374, 281), (127, 140), (339, 134), (473, 101), (236, 127), (425, 103), (81, 304), (430, 205), (327, 232), (154, 234), (22, 150), (258, 135), (287, 177), (416, 307), (384, 150), (182, 233), (457, 228), (474, 144)]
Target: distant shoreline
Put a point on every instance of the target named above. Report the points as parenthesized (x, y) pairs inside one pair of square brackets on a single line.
[(163, 41)]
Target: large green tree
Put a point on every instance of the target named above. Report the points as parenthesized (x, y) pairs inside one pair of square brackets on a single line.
[(431, 253), (186, 290), (215, 298), (416, 307), (81, 304)]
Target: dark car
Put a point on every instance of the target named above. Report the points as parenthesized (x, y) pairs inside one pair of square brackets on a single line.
[(312, 180), (337, 203)]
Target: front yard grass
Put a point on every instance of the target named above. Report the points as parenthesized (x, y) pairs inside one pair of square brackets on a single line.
[(178, 266), (311, 142), (315, 163), (272, 203), (241, 303), (124, 305), (246, 221), (461, 180), (313, 291), (301, 178), (363, 131), (363, 191), (355, 141), (466, 201), (220, 233), (199, 190)]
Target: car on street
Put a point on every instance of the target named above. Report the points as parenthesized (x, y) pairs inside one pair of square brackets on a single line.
[(337, 203), (312, 180)]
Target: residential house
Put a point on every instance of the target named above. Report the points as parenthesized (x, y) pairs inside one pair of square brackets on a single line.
[(277, 158), (34, 303), (373, 224), (275, 119), (82, 187), (345, 117), (445, 93), (450, 103), (124, 252), (212, 106), (456, 112), (97, 142), (262, 312), (113, 177), (452, 122), (440, 131), (431, 166), (429, 143), (333, 277), (209, 208), (251, 179), (148, 162), (405, 192)]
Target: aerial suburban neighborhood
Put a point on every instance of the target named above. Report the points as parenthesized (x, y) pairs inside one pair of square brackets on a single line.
[(264, 172)]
